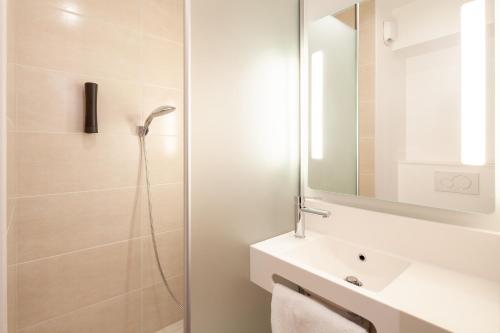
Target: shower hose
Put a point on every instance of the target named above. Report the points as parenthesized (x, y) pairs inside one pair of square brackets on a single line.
[(152, 227)]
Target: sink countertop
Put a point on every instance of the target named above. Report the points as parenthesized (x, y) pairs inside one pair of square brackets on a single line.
[(448, 299)]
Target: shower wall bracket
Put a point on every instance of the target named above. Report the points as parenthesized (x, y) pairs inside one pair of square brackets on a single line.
[(91, 107)]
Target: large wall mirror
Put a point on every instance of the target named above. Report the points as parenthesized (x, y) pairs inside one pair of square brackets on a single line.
[(400, 100)]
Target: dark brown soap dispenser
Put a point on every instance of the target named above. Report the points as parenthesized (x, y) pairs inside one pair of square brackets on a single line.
[(91, 107)]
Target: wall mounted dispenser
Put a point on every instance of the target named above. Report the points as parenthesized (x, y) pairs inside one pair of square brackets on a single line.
[(91, 107), (389, 32)]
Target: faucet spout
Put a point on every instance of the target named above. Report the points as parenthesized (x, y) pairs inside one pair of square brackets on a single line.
[(301, 210), (323, 213)]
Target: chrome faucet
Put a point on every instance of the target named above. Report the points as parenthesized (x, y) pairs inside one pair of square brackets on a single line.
[(300, 223)]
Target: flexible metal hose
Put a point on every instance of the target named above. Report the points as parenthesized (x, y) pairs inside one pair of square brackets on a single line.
[(151, 225)]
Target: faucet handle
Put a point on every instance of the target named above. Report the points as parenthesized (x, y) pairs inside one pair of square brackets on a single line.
[(300, 199)]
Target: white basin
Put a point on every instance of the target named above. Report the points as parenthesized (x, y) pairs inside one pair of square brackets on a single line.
[(374, 269), (397, 292)]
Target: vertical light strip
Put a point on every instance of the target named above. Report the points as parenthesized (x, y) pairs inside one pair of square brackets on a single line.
[(317, 87), (473, 82)]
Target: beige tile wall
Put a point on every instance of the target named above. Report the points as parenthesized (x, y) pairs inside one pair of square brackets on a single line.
[(80, 255), (366, 98), (12, 153)]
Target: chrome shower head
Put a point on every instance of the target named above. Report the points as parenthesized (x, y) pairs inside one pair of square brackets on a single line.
[(160, 111)]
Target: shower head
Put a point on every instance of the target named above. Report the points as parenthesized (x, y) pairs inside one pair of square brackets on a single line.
[(160, 111)]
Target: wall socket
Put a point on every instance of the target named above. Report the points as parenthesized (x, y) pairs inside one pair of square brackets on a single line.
[(456, 182)]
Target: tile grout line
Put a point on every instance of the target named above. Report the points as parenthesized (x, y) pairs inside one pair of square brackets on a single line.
[(117, 134), (109, 23), (97, 77), (140, 83), (140, 289), (142, 237), (110, 189)]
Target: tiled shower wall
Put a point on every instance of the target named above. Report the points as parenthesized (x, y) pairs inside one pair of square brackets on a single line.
[(80, 258)]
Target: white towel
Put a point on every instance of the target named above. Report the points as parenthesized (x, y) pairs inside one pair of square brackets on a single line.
[(292, 312)]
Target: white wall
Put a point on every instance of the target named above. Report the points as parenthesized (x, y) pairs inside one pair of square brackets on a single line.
[(443, 20), (433, 106), (418, 185), (428, 41), (244, 152), (390, 135)]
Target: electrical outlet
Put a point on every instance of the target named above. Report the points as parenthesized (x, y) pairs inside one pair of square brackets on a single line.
[(456, 182)]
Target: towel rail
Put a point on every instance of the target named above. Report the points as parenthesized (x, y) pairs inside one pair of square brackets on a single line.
[(349, 315)]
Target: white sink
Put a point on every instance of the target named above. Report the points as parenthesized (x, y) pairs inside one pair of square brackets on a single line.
[(375, 270), (320, 263), (395, 290)]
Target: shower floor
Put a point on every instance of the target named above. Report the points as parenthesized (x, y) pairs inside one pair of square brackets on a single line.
[(177, 327)]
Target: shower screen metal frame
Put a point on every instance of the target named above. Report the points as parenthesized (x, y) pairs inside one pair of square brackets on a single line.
[(187, 165), (3, 166)]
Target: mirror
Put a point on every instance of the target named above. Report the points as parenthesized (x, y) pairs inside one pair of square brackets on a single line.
[(400, 100)]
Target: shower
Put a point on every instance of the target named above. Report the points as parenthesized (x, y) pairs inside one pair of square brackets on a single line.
[(143, 131), (159, 111)]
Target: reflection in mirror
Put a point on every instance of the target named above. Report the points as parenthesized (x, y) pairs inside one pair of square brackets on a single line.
[(401, 100), (333, 157)]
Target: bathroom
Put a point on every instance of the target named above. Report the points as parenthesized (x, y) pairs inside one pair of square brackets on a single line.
[(221, 166)]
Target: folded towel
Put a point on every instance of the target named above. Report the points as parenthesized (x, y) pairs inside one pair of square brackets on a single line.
[(292, 312)]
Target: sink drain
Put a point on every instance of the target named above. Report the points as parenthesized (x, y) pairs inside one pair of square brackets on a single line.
[(354, 280)]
